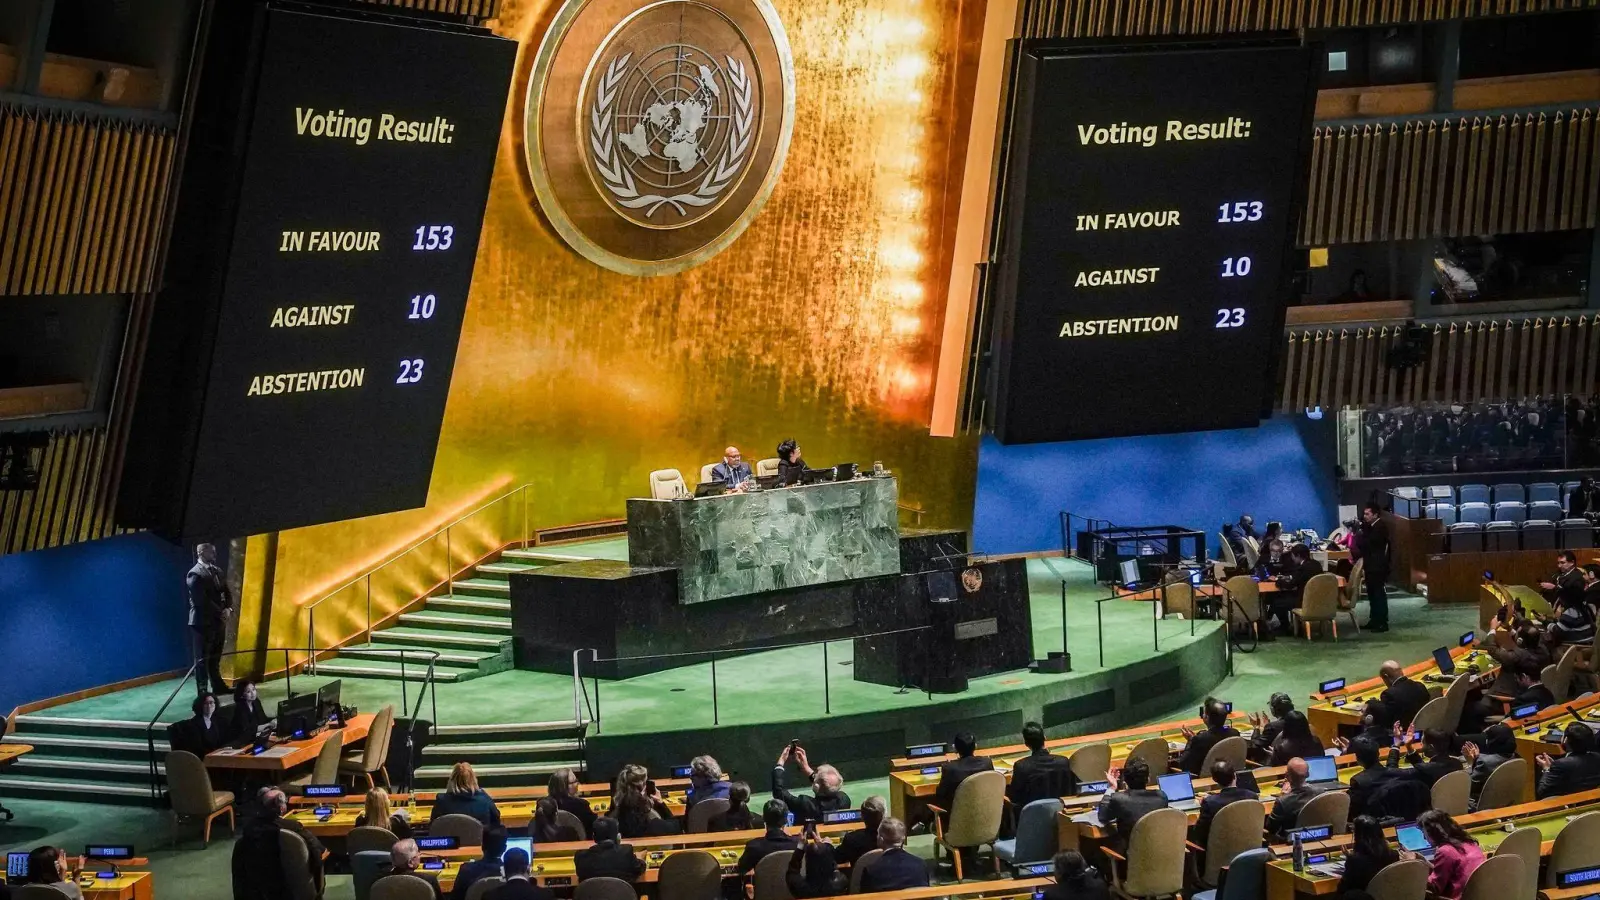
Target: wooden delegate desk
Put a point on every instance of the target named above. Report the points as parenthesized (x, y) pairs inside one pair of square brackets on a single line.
[(285, 755), (516, 805), (1487, 828), (1326, 714), (1533, 733), (8, 755), (1204, 590), (126, 886)]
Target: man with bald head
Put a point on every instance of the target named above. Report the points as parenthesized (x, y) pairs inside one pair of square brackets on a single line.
[(1401, 696), (733, 471), (257, 872), (1294, 794)]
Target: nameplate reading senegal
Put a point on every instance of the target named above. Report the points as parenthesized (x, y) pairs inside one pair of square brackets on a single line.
[(301, 382)]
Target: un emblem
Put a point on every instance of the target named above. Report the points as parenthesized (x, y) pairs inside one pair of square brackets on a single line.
[(655, 131)]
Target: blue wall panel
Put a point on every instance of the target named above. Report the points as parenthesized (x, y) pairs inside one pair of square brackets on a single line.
[(1283, 470), (87, 614)]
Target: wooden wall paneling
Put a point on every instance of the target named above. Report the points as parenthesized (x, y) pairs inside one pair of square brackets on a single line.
[(1588, 334), (1491, 358), (1536, 176), (1506, 152)]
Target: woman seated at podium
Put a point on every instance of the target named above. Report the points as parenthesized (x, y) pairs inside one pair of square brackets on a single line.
[(248, 716), (790, 465)]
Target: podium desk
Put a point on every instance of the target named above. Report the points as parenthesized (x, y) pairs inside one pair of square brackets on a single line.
[(732, 545), (285, 755), (126, 886)]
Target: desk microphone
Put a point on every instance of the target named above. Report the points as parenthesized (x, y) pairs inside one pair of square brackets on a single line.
[(116, 871)]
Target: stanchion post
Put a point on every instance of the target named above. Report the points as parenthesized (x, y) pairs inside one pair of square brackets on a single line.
[(1100, 630), (716, 715), (827, 701)]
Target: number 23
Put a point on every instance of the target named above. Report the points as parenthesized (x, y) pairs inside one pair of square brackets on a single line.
[(1230, 318)]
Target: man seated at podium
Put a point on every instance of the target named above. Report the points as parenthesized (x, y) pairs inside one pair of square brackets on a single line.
[(733, 471)]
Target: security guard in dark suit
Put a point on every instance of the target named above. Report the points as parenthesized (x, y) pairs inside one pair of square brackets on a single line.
[(210, 604)]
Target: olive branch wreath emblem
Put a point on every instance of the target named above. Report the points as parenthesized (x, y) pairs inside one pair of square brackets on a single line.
[(619, 180)]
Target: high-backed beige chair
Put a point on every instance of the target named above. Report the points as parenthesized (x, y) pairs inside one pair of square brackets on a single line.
[(605, 888), (324, 771), (705, 472), (374, 751), (458, 825), (401, 887), (1155, 754), (1330, 808), (700, 814), (1229, 558), (975, 816), (1091, 762), (1455, 700), (189, 790), (1235, 829), (369, 837), (1252, 551), (1497, 878), (767, 466), (1506, 786), (1350, 594), (565, 819), (1452, 792), (1319, 602), (1245, 607), (295, 861), (1403, 880), (1558, 677), (1233, 750), (1178, 597), (1526, 844), (689, 875), (1432, 715), (483, 886), (1577, 847), (867, 859), (771, 878), (667, 484), (1154, 861)]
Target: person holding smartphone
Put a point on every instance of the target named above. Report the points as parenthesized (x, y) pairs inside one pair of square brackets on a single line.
[(820, 875)]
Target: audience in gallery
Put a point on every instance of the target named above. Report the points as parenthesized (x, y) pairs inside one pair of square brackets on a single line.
[(1076, 879), (1369, 853), (738, 816), (1214, 714), (405, 861), (257, 872), (1041, 774), (462, 796), (1477, 437), (487, 866), (519, 881), (563, 786), (1499, 747), (379, 813), (827, 786), (1455, 854), (609, 857)]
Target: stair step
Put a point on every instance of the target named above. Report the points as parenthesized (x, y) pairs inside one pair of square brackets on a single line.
[(481, 586), (35, 723), (447, 656), (470, 604), (81, 769), (542, 557), (46, 788), (77, 746), (427, 637), (377, 670), (445, 731), (503, 748), (455, 622)]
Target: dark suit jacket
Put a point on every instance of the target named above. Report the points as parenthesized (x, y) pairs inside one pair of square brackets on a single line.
[(855, 845), (1375, 548), (1360, 867), (1535, 693), (734, 820), (1212, 803), (208, 597), (1404, 698), (1039, 776), (895, 870), (1295, 581), (774, 841), (1261, 742), (1427, 770), (520, 889), (1121, 810), (1569, 775), (1369, 785), (1286, 748), (1194, 753), (471, 872), (243, 721), (955, 772), (1285, 810), (192, 735), (732, 476), (806, 808), (580, 808), (1088, 886), (609, 859)]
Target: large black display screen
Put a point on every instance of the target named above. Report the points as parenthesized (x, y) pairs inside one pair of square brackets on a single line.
[(368, 148), (1148, 212)]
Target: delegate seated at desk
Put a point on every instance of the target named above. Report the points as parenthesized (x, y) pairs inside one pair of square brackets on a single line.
[(790, 465), (1302, 568), (733, 471), (1274, 561)]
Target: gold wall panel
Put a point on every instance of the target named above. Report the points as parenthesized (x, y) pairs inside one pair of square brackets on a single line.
[(1489, 359), (1447, 176), (80, 202), (71, 503), (1122, 18), (822, 322)]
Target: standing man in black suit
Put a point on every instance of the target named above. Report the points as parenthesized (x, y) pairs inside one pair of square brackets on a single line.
[(1127, 800), (1215, 715), (1401, 696), (966, 763), (1374, 546), (210, 604), (1041, 774), (1227, 792), (609, 857), (1578, 770)]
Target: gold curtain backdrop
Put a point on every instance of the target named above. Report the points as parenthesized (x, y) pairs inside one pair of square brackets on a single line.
[(822, 323)]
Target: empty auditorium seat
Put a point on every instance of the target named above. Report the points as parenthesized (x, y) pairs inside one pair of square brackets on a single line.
[(1410, 493), (1466, 537), (1509, 493), (1441, 492), (1442, 511), (1541, 491), (1501, 536), (1510, 511), (1473, 493), (1474, 512), (1576, 534), (1539, 535), (1544, 511), (1566, 492)]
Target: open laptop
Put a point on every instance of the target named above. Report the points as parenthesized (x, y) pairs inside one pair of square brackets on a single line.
[(1247, 780), (710, 489), (1411, 838), (1128, 572), (1322, 770), (17, 866), (1178, 788), (519, 843), (1446, 664)]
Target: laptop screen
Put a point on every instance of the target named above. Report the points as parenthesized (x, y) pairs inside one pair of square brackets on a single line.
[(523, 844), (1441, 657), (1522, 712), (1130, 571), (1322, 768), (1410, 838), (1093, 787), (1246, 780), (17, 866), (1177, 787)]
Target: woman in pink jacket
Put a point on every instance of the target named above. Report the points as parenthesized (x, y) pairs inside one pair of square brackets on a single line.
[(1455, 854)]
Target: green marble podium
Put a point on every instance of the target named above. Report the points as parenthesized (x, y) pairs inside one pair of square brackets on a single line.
[(739, 544)]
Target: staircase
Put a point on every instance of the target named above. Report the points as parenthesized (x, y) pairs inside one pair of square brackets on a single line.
[(469, 626), (96, 760), (509, 755)]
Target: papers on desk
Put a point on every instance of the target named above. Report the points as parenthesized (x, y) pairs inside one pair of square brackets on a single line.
[(1092, 817), (269, 753)]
